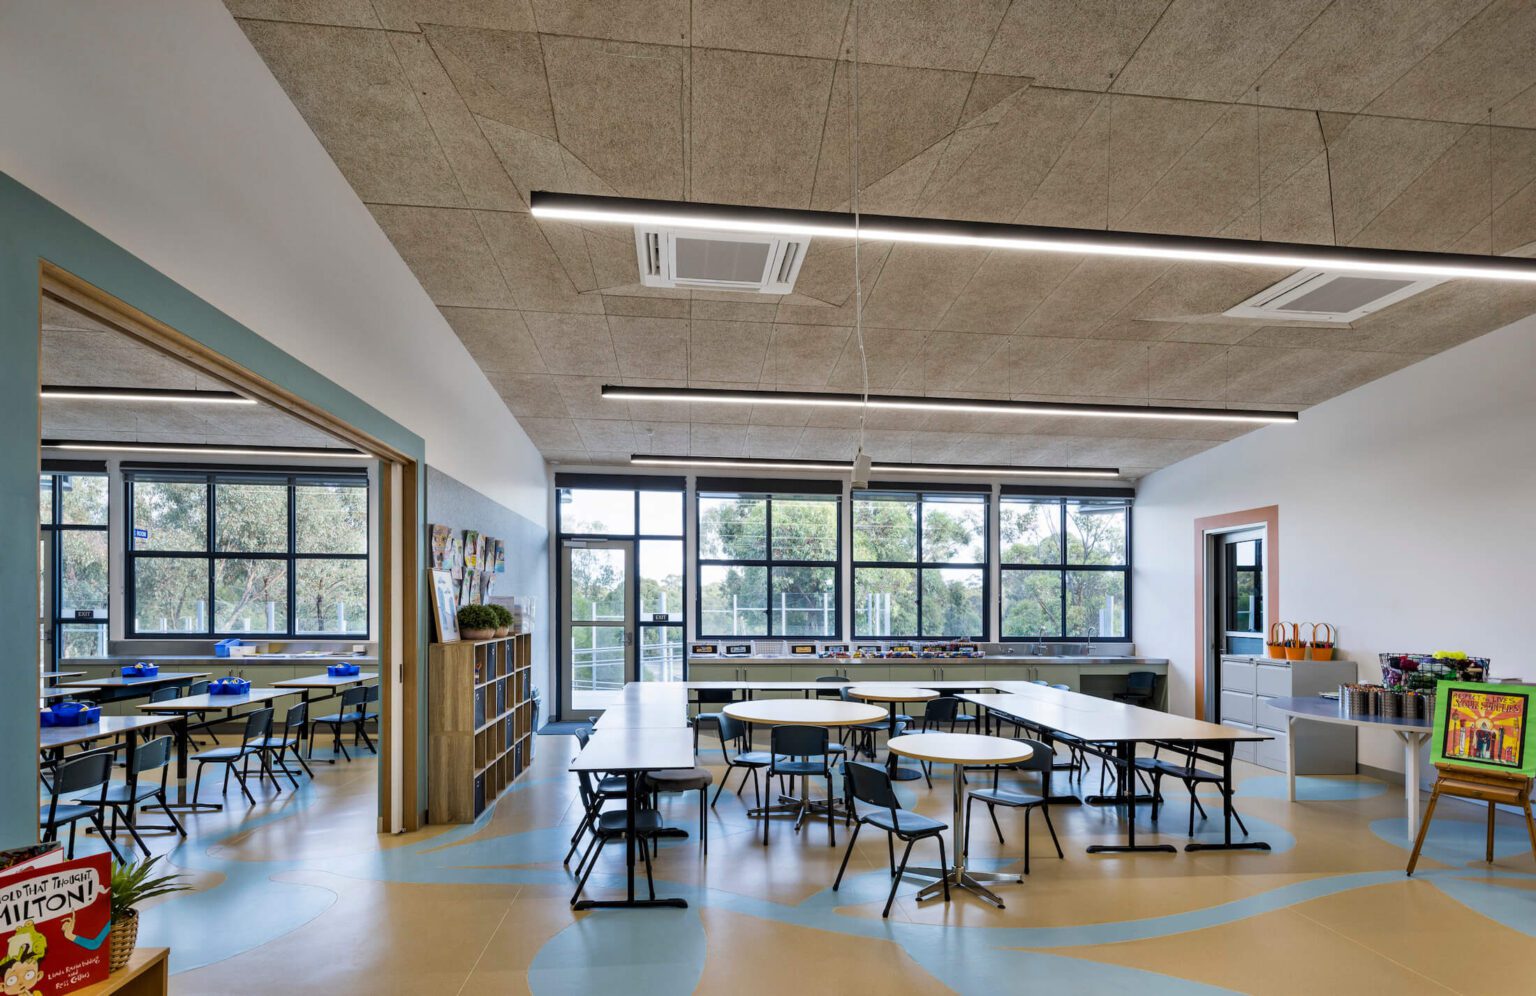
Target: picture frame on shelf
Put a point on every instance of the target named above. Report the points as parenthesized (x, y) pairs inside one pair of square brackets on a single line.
[(445, 606)]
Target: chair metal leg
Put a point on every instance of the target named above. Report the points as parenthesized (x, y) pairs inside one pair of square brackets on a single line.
[(165, 807), (197, 783), (846, 855), (831, 814), (943, 867), (1046, 812), (70, 853), (703, 821), (890, 846), (896, 880), (581, 882), (1026, 838), (245, 789), (101, 828), (992, 812)]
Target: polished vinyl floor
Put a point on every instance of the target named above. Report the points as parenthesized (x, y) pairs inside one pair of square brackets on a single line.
[(298, 895)]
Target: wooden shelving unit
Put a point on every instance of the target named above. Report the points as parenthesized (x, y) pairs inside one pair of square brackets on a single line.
[(480, 723)]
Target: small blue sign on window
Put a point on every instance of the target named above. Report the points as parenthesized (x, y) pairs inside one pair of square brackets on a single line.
[(141, 534)]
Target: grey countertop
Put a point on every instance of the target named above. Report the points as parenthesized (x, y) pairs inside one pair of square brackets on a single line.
[(937, 661), (204, 658)]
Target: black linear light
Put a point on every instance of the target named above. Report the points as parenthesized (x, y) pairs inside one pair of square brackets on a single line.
[(706, 395), (1037, 238)]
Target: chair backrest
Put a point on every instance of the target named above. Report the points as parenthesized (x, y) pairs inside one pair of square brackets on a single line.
[(373, 693), (869, 784), (298, 716), (825, 693), (941, 710), (1040, 681), (258, 725), (165, 694), (199, 687), (583, 734), (1141, 682), (798, 741), (352, 698), (152, 755), (81, 772), (732, 731), (716, 696), (1043, 758), (1062, 688)]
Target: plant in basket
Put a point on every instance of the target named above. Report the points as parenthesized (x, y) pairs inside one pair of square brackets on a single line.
[(477, 622), (133, 884), (503, 619)]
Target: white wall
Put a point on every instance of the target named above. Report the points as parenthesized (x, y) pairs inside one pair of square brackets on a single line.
[(158, 125), (1407, 518)]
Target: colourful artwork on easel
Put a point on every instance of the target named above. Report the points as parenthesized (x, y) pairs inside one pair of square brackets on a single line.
[(1485, 726)]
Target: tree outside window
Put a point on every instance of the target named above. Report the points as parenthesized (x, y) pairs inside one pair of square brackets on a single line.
[(919, 566), (1065, 567), (768, 565)]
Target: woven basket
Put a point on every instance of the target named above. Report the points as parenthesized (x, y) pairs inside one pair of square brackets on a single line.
[(125, 935), (1274, 643), (1324, 637)]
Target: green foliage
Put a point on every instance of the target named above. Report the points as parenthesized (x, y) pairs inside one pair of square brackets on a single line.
[(477, 617), (132, 885), (503, 615)]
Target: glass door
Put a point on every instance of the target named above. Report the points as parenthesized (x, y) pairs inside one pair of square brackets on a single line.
[(1242, 592), (597, 586)]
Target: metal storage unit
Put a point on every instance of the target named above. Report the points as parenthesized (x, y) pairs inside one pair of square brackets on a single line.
[(1247, 683)]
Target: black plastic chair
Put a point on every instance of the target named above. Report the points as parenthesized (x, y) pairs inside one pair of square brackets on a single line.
[(1139, 688), (710, 696), (863, 736), (1043, 760), (802, 752), (733, 735), (593, 795), (258, 725), (1192, 777), (152, 756), (353, 709), (611, 825), (871, 785), (81, 773), (276, 746), (684, 780)]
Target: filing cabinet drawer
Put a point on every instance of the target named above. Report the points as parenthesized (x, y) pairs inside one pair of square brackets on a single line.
[(1236, 675), (1238, 707), (1266, 718), (1244, 750), (1273, 679)]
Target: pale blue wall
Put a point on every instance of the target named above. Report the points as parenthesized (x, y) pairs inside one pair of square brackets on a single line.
[(32, 229)]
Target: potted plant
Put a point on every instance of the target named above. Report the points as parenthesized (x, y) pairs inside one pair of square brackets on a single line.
[(503, 619), (133, 884), (477, 622)]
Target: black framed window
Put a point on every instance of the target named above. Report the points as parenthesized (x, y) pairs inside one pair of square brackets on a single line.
[(1065, 568), (74, 562), (768, 564), (219, 553), (919, 565), (1245, 586), (649, 511)]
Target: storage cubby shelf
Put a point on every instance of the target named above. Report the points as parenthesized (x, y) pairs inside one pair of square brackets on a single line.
[(480, 723)]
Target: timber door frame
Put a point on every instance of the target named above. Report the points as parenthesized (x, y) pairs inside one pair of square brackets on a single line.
[(399, 545)]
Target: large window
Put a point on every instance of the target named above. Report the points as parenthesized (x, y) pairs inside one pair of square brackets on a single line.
[(1065, 568), (768, 565), (919, 565), (73, 563), (222, 554)]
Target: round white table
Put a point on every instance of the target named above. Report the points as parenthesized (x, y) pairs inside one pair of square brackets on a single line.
[(1414, 733), (961, 750), (803, 712), (895, 694)]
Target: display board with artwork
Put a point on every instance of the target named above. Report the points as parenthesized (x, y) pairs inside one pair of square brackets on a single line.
[(471, 559), (1484, 726)]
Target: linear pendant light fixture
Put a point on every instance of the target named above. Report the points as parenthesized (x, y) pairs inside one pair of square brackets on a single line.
[(144, 394), (202, 449), (834, 467), (1037, 238), (706, 395)]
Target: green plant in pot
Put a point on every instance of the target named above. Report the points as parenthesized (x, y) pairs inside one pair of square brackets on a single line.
[(477, 622), (133, 884), (503, 619)]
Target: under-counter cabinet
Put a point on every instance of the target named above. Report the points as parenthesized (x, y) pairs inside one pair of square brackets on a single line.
[(1247, 685)]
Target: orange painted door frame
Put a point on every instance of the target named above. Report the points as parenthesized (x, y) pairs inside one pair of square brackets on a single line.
[(1269, 517)]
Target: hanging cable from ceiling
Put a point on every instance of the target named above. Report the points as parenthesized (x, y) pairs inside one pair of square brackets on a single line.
[(861, 462)]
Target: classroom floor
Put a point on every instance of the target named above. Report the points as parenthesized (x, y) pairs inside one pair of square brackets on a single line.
[(298, 895)]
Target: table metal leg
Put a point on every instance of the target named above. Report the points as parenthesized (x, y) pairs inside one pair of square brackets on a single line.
[(1413, 741), (958, 876), (1290, 758), (1125, 795), (183, 729), (1226, 813), (894, 769)]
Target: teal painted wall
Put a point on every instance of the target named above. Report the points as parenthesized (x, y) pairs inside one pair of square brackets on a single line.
[(32, 230)]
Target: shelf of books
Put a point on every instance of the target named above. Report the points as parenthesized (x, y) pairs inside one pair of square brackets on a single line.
[(480, 724)]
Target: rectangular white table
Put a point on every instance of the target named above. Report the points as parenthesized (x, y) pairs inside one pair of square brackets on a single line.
[(181, 710)]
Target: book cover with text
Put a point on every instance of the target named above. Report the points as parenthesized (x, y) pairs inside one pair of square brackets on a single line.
[(54, 923)]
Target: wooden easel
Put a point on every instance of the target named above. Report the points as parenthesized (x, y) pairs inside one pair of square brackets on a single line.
[(1492, 787)]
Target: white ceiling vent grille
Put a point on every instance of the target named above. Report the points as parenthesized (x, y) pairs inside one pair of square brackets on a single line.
[(733, 261), (1333, 298)]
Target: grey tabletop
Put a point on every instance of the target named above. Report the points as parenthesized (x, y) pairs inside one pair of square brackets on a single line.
[(636, 749), (206, 703), (324, 680), (109, 726), (120, 681), (1329, 711), (1090, 718)]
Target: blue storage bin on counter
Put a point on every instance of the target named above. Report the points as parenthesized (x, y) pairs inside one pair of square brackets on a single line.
[(229, 686), (143, 669), (221, 649), (343, 670), (69, 713)]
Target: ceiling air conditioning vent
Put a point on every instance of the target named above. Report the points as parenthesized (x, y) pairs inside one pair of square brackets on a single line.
[(1323, 296), (733, 261)]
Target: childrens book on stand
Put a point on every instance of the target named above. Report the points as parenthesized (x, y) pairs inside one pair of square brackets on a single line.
[(55, 918)]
